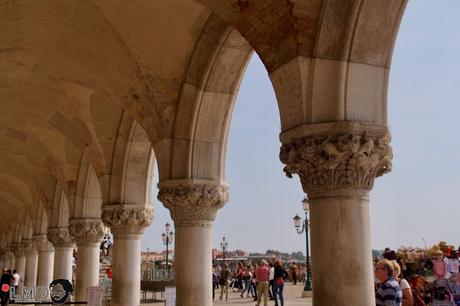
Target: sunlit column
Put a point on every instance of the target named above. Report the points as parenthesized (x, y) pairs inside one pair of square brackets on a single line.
[(63, 252), (45, 260), (337, 164), (193, 209), (88, 234), (20, 258), (127, 223), (30, 276)]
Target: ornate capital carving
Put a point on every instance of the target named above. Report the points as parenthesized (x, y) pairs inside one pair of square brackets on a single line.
[(42, 244), (60, 237), (124, 220), (86, 230), (193, 204), (28, 246), (349, 160), (16, 248)]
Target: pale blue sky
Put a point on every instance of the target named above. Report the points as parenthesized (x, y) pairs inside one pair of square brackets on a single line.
[(420, 198)]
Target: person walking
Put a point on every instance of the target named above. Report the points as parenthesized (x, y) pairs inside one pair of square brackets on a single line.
[(279, 276), (17, 280), (224, 282), (262, 275), (294, 273), (215, 282), (6, 281), (254, 282), (239, 276), (389, 292), (247, 277), (271, 281)]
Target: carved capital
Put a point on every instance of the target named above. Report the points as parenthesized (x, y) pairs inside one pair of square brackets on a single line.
[(339, 160), (193, 204), (60, 237), (28, 246), (17, 249), (125, 220), (42, 244), (87, 230)]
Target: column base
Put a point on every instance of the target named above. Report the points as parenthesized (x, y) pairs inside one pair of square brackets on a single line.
[(307, 294)]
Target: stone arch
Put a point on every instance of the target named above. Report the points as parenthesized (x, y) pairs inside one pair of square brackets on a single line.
[(130, 181), (328, 61), (85, 198), (60, 211), (40, 219), (197, 148)]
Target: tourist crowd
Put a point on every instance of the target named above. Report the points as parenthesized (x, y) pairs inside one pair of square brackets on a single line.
[(262, 282), (416, 277)]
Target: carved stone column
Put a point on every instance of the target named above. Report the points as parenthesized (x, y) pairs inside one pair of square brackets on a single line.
[(193, 209), (88, 234), (63, 252), (20, 258), (11, 259), (6, 257), (45, 260), (337, 164), (127, 223), (2, 258), (30, 276)]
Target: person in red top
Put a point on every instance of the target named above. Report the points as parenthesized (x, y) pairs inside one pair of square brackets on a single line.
[(239, 276), (262, 276), (108, 271)]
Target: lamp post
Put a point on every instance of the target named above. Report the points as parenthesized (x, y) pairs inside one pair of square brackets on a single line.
[(167, 237), (302, 226), (224, 247)]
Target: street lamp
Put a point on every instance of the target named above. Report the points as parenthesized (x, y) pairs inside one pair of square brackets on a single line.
[(302, 226), (167, 237), (224, 247)]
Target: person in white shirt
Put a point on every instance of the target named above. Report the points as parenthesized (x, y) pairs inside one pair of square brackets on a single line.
[(17, 279)]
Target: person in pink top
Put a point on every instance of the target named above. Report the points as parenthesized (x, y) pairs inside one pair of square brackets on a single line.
[(262, 276)]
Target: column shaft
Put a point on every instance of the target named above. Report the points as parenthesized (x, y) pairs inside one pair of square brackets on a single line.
[(88, 234), (63, 252), (63, 262), (30, 277), (337, 163), (6, 263), (45, 267), (87, 269), (193, 208), (193, 264), (127, 223), (340, 228), (126, 265), (12, 262), (21, 265)]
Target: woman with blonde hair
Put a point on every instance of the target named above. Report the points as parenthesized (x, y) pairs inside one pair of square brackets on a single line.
[(408, 299)]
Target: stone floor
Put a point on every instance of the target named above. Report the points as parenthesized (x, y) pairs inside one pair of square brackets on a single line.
[(292, 298)]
